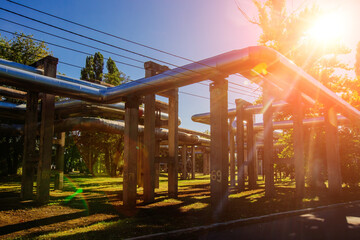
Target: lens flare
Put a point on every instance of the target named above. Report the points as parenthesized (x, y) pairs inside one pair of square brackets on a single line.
[(77, 192), (329, 27)]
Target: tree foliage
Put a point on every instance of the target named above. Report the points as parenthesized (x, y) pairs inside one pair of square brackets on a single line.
[(287, 32), (114, 76), (97, 148), (22, 49)]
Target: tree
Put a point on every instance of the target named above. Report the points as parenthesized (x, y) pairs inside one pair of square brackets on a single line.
[(288, 34), (114, 76), (23, 49), (87, 73), (98, 148), (93, 70)]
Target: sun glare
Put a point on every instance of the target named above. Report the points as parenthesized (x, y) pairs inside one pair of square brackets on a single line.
[(329, 27)]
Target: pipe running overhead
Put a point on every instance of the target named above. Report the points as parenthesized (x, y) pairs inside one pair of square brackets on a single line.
[(274, 68), (250, 109), (104, 125), (71, 108)]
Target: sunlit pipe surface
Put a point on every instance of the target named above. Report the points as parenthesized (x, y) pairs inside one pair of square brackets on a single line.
[(279, 71), (308, 123), (252, 109)]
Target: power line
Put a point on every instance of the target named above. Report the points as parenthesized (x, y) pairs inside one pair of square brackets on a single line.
[(78, 51), (76, 66), (86, 45), (111, 45), (70, 40), (68, 48)]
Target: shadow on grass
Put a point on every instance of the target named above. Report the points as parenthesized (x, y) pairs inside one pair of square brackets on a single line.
[(40, 222), (191, 208)]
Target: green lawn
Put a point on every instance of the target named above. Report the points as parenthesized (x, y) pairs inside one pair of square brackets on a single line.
[(91, 208)]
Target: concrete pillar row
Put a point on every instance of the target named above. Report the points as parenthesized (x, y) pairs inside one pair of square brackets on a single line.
[(29, 156), (268, 140), (219, 164), (173, 140), (60, 149), (332, 151), (130, 147), (232, 153), (299, 153), (240, 144), (49, 64)]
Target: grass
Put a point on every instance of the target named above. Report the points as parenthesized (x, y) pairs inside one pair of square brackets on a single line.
[(91, 208)]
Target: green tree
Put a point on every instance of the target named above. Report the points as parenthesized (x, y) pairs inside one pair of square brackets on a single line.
[(22, 49), (93, 70), (99, 148), (87, 73), (98, 66), (288, 34), (114, 76)]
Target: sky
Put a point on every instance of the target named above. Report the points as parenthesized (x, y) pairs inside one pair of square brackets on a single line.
[(194, 29)]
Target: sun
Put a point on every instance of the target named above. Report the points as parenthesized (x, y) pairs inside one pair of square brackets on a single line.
[(329, 27)]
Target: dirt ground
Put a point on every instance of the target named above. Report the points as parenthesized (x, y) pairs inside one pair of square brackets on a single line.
[(91, 208)]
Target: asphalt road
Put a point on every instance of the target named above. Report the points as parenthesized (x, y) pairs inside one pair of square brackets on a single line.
[(334, 223)]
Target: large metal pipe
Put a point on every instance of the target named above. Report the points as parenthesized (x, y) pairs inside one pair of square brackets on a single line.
[(71, 108), (103, 125), (252, 109), (278, 70)]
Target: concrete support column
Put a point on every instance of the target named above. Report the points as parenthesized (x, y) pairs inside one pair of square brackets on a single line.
[(60, 149), (149, 148), (251, 151), (219, 165), (193, 162), (332, 152), (232, 154), (140, 161), (29, 158), (299, 154), (184, 162), (206, 169), (157, 150), (268, 141), (240, 144), (173, 143), (49, 64), (130, 156)]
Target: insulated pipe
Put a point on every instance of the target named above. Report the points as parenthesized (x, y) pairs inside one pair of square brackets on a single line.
[(310, 122), (103, 125), (12, 93), (252, 109), (275, 68), (116, 108), (72, 108), (40, 71)]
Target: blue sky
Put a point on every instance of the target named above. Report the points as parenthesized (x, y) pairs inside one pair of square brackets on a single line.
[(194, 29)]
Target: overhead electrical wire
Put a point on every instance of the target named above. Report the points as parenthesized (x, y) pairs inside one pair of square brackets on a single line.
[(112, 35), (71, 49), (86, 53), (73, 65), (90, 46)]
